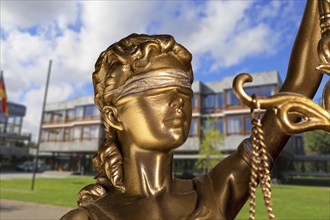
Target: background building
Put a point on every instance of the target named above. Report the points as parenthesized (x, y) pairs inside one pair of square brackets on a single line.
[(14, 144), (217, 100), (73, 130)]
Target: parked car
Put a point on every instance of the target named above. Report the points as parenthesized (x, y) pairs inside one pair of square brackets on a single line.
[(28, 166)]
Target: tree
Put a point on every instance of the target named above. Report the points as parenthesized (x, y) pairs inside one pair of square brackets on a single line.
[(317, 141), (209, 152)]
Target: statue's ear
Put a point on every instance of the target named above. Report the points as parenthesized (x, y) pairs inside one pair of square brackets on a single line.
[(111, 117)]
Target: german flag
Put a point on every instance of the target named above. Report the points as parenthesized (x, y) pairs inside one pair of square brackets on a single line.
[(3, 95)]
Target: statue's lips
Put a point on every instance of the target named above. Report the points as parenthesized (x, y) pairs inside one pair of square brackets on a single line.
[(176, 121)]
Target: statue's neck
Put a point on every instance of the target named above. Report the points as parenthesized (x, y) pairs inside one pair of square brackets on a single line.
[(147, 173)]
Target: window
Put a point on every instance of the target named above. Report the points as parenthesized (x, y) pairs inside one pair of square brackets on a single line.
[(55, 135), (194, 101), (79, 112), (18, 120), (209, 101), (77, 133), (218, 124), (206, 125), (13, 125), (248, 125), (90, 132), (220, 100), (88, 111), (3, 120), (91, 111), (70, 114), (262, 91), (11, 120), (221, 125), (59, 134), (58, 116), (193, 127), (232, 100), (234, 125), (67, 134), (47, 117), (44, 135)]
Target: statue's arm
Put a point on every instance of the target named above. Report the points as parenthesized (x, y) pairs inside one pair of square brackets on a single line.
[(302, 76), (230, 178)]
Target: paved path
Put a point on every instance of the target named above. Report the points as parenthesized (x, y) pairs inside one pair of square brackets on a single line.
[(47, 174), (26, 210)]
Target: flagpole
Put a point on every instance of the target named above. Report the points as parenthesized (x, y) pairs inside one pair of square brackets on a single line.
[(40, 127)]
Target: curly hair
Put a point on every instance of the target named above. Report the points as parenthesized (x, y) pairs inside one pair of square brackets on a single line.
[(135, 54)]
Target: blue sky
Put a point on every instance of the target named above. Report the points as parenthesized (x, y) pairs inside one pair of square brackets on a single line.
[(225, 38)]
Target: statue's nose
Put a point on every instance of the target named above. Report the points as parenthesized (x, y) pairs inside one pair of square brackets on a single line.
[(176, 100)]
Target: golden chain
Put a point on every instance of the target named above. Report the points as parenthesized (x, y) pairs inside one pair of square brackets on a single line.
[(260, 166)]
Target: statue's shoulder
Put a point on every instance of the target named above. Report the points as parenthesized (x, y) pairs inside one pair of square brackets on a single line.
[(78, 214)]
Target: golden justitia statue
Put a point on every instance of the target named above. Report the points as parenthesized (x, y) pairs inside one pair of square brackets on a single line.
[(142, 87)]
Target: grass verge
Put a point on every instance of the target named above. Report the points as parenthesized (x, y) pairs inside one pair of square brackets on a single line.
[(293, 202), (59, 191)]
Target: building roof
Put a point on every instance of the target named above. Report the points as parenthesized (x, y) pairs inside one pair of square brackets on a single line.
[(79, 101), (261, 78), (15, 109)]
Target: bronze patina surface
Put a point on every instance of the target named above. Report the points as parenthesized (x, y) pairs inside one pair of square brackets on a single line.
[(143, 89)]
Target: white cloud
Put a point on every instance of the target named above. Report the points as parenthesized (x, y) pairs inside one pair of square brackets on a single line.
[(27, 14), (36, 31)]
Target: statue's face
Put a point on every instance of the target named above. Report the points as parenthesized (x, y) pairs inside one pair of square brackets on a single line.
[(157, 119)]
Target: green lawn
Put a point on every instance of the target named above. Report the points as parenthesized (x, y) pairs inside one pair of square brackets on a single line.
[(289, 202), (56, 191), (294, 202)]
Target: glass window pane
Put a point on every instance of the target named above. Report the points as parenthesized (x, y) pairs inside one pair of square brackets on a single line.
[(209, 101), (248, 126), (3, 118), (79, 112), (86, 133), (10, 128), (220, 101), (96, 111), (11, 120), (58, 116), (232, 100), (194, 101), (221, 126), (16, 129), (59, 134), (89, 111), (77, 133), (44, 135), (18, 120), (262, 91), (47, 117), (193, 127), (235, 125), (94, 131), (67, 134), (70, 114)]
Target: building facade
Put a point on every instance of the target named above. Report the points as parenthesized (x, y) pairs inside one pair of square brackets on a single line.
[(73, 130), (14, 144)]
